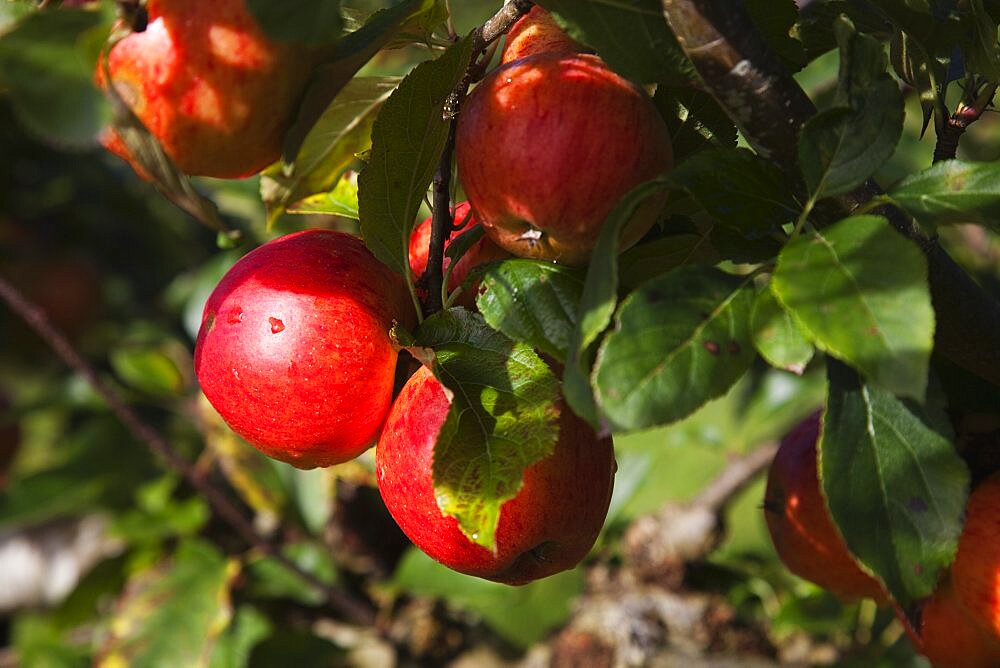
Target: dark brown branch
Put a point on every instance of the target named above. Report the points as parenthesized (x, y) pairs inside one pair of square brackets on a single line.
[(770, 108), (968, 112), (354, 610), (443, 220)]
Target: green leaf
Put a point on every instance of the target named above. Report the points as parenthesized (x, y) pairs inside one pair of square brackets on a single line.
[(342, 132), (233, 648), (982, 52), (840, 148), (47, 63), (341, 201), (149, 369), (952, 191), (87, 475), (650, 54), (739, 189), (520, 615), (313, 492), (418, 28), (657, 257), (38, 641), (859, 292), (776, 336), (173, 613), (269, 578), (503, 418), (774, 20), (532, 301), (679, 340), (350, 55), (597, 303), (407, 141), (895, 486), (694, 119), (311, 22), (862, 64)]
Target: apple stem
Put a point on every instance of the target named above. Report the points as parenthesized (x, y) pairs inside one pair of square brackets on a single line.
[(443, 218), (353, 609), (977, 97), (770, 108)]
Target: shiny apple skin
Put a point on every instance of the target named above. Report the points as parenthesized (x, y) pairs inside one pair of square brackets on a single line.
[(294, 349), (548, 144), (548, 527)]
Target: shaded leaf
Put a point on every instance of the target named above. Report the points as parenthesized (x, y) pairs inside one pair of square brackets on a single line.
[(269, 578), (173, 613), (312, 22), (47, 64), (350, 54), (233, 648), (895, 486), (651, 54), (952, 191), (874, 314), (776, 336), (532, 301), (739, 189), (774, 20), (597, 303), (679, 340), (694, 119), (342, 132), (840, 148), (407, 140), (654, 258)]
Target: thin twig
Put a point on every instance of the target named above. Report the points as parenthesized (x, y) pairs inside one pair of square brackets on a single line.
[(353, 609), (443, 220), (968, 112)]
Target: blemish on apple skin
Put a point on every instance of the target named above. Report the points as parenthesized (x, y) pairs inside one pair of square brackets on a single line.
[(235, 316), (712, 347), (276, 325)]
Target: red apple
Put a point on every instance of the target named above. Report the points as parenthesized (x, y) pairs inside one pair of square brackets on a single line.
[(209, 85), (481, 252), (950, 637), (799, 522), (546, 147), (537, 32), (294, 349), (548, 527), (976, 571)]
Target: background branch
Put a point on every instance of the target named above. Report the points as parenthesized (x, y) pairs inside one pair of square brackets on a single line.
[(355, 610), (770, 108)]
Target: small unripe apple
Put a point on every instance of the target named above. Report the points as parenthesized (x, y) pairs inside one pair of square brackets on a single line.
[(481, 252), (209, 85), (976, 571), (548, 527), (537, 32), (949, 635), (548, 144), (799, 522), (294, 349)]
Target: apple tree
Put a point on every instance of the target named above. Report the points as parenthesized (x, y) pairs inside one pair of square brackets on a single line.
[(667, 247)]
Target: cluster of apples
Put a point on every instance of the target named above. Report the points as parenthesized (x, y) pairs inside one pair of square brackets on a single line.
[(295, 351), (959, 624)]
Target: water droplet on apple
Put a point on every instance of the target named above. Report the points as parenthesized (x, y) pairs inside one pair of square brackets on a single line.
[(475, 536), (276, 325)]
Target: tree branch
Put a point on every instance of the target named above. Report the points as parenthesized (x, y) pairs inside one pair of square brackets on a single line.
[(968, 112), (661, 544), (770, 108), (442, 220), (353, 609)]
